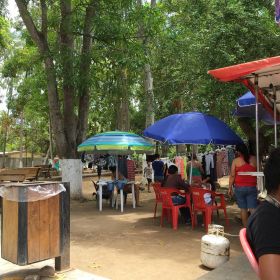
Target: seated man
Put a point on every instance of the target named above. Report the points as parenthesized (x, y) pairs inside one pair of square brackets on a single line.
[(175, 180), (263, 229), (207, 183)]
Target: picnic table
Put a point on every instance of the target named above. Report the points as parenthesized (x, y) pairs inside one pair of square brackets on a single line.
[(46, 171)]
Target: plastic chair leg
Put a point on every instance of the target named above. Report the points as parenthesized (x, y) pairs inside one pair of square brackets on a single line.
[(175, 218), (218, 214), (194, 219), (208, 218), (162, 217), (155, 211)]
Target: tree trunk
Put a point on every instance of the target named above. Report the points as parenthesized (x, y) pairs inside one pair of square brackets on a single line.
[(180, 149), (84, 76), (123, 122), (50, 140), (21, 141), (148, 86), (148, 77), (68, 126), (164, 150), (55, 114), (249, 130), (4, 146), (125, 101), (6, 126), (66, 52), (47, 156)]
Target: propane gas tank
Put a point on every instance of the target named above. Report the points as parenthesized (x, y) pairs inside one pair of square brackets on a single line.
[(214, 247)]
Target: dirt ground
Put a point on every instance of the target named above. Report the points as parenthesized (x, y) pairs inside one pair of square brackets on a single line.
[(131, 245)]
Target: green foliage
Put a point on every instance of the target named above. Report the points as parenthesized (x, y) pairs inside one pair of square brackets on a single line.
[(181, 40), (4, 33)]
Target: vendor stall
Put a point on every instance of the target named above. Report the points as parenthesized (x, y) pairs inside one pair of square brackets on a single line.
[(262, 78)]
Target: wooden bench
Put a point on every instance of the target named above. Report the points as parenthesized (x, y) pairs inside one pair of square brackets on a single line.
[(46, 170), (16, 174), (12, 177)]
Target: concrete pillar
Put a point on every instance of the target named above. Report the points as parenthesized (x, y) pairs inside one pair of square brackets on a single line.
[(71, 171)]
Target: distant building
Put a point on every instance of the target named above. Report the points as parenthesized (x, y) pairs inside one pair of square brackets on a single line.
[(12, 159)]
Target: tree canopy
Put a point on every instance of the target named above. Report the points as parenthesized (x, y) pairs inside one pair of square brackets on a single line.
[(78, 65)]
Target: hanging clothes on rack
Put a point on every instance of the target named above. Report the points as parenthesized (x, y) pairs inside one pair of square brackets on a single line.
[(231, 155), (111, 161), (180, 162), (122, 166), (209, 163), (130, 169), (225, 168), (220, 158), (213, 171)]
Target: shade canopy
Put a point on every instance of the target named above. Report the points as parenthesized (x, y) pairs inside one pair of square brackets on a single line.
[(265, 71), (262, 78), (245, 107), (192, 128), (263, 68), (247, 99), (116, 142)]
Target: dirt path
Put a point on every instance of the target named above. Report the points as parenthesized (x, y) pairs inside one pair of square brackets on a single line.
[(131, 246)]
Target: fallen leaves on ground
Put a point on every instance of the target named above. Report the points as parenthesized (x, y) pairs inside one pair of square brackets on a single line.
[(94, 265)]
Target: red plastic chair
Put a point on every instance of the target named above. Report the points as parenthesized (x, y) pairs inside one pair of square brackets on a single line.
[(170, 210), (157, 188), (248, 251), (199, 205)]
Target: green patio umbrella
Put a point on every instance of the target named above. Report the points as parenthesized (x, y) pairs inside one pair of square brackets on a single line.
[(116, 142)]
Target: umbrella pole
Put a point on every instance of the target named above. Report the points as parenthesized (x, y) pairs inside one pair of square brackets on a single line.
[(121, 190), (259, 183), (257, 122), (191, 167), (274, 117), (116, 178), (117, 168)]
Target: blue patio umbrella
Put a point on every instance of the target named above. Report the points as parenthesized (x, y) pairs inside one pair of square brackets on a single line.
[(192, 128), (246, 107)]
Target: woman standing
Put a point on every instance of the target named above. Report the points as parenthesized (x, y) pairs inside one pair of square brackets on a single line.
[(244, 185), (195, 171)]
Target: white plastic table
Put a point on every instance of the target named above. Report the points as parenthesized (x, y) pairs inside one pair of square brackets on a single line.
[(259, 176), (100, 184), (132, 183)]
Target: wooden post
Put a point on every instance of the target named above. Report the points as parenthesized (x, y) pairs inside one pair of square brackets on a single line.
[(22, 228), (63, 261)]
